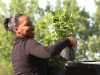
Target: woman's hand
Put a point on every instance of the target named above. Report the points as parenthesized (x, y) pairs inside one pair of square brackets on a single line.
[(73, 42)]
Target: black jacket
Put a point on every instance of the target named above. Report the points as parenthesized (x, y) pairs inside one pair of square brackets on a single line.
[(29, 56)]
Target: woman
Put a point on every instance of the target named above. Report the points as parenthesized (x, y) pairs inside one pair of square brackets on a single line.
[(29, 56)]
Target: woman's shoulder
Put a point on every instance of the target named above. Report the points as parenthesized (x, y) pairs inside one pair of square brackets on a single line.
[(32, 41)]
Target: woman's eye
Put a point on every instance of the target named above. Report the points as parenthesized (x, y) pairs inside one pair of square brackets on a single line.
[(26, 24)]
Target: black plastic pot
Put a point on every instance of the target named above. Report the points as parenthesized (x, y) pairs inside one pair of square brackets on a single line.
[(56, 71)]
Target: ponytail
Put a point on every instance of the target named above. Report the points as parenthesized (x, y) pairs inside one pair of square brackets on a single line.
[(6, 21)]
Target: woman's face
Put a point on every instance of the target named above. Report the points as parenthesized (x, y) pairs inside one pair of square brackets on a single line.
[(25, 27)]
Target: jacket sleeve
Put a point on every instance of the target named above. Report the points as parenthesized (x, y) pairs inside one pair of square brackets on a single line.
[(38, 50)]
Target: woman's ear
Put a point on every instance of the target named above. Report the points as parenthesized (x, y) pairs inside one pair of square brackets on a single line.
[(15, 29)]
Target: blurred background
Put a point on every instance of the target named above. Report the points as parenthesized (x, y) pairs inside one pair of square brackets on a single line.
[(85, 26)]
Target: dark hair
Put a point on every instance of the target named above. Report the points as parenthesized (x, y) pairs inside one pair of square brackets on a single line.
[(6, 24), (11, 22)]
